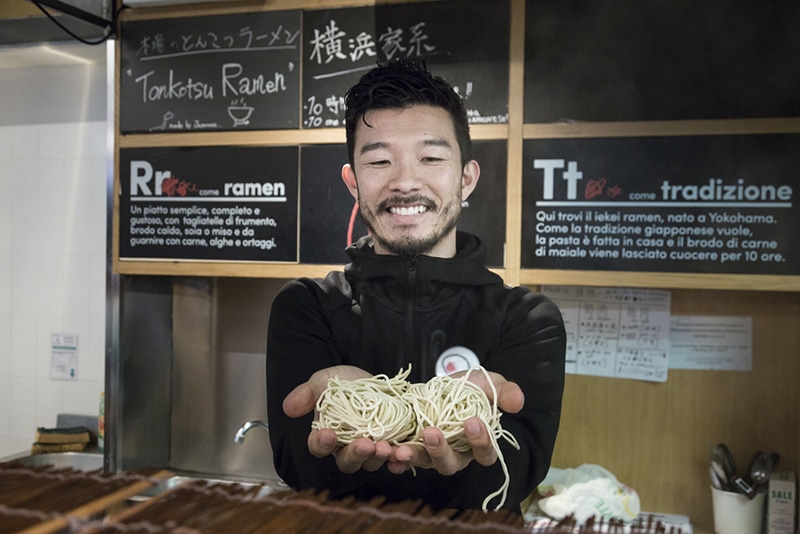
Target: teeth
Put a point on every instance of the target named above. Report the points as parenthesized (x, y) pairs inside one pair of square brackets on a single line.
[(408, 210)]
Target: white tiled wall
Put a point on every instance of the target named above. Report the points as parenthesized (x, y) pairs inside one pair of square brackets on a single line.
[(52, 269)]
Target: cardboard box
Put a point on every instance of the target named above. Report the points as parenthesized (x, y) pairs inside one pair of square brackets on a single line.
[(781, 503)]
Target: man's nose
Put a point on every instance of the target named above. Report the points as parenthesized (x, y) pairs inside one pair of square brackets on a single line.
[(407, 177)]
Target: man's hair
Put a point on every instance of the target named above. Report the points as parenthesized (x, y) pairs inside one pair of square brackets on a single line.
[(399, 84)]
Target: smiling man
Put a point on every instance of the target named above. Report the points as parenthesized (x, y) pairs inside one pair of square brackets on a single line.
[(415, 288), (411, 179)]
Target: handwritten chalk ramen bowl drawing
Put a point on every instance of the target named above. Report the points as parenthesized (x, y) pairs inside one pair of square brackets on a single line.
[(240, 114)]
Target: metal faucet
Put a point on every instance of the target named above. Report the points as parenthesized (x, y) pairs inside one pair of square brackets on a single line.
[(239, 438)]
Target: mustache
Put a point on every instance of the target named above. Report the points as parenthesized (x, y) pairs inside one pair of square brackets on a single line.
[(406, 201)]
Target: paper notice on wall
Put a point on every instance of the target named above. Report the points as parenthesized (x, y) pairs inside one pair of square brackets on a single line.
[(615, 332), (715, 343), (64, 357)]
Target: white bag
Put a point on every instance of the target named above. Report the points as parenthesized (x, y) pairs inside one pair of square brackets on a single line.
[(587, 491)]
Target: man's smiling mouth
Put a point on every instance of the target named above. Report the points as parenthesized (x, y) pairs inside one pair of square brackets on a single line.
[(407, 210)]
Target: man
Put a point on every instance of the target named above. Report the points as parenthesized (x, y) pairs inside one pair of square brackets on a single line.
[(415, 287)]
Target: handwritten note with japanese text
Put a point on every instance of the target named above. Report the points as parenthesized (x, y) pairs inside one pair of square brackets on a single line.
[(615, 332)]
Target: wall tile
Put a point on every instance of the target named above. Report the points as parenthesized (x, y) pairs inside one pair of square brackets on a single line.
[(23, 299), (23, 423), (23, 392), (5, 366), (23, 364), (51, 175), (52, 247), (25, 142), (5, 395), (23, 329)]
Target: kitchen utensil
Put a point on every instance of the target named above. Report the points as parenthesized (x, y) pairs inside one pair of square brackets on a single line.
[(722, 454), (722, 463), (715, 479), (719, 474), (760, 469)]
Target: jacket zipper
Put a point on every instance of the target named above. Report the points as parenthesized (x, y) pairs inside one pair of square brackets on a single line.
[(411, 302)]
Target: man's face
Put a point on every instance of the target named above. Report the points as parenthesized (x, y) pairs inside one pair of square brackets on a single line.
[(408, 180)]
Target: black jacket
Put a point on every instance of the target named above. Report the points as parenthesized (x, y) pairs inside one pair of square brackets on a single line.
[(383, 312)]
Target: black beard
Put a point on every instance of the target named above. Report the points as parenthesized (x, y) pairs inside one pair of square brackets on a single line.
[(410, 246)]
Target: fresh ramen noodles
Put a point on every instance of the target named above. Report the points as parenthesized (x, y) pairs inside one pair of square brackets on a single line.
[(371, 408), (397, 411)]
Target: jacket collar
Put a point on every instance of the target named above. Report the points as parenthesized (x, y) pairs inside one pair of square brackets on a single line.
[(467, 267)]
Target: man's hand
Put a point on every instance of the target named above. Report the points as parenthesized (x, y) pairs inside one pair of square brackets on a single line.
[(510, 397), (364, 453), (437, 454), (303, 399), (361, 453)]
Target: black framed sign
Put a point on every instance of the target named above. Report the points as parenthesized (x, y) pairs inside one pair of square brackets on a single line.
[(699, 204), (209, 203), (466, 42), (211, 73), (616, 60)]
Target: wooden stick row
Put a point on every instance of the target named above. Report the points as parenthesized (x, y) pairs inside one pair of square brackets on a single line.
[(45, 500)]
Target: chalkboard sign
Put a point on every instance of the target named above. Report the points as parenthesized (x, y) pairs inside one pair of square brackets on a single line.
[(329, 220), (466, 42), (213, 73), (617, 60), (703, 204), (210, 203)]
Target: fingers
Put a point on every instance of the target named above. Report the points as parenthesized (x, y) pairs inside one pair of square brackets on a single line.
[(362, 453), (439, 455), (481, 442), (322, 442), (510, 397), (406, 456), (433, 453), (379, 456), (302, 399), (443, 458)]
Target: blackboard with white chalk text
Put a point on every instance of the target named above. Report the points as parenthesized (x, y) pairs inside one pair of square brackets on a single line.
[(701, 204), (466, 42), (212, 73), (209, 203)]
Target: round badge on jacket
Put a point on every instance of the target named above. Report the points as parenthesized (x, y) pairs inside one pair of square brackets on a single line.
[(456, 359)]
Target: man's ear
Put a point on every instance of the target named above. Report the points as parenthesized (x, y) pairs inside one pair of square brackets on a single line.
[(349, 179), (469, 178)]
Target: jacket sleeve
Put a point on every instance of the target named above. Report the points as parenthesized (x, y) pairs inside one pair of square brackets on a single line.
[(529, 349), (299, 342)]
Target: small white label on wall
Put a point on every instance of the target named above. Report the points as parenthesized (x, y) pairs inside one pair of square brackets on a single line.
[(715, 343), (64, 357)]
